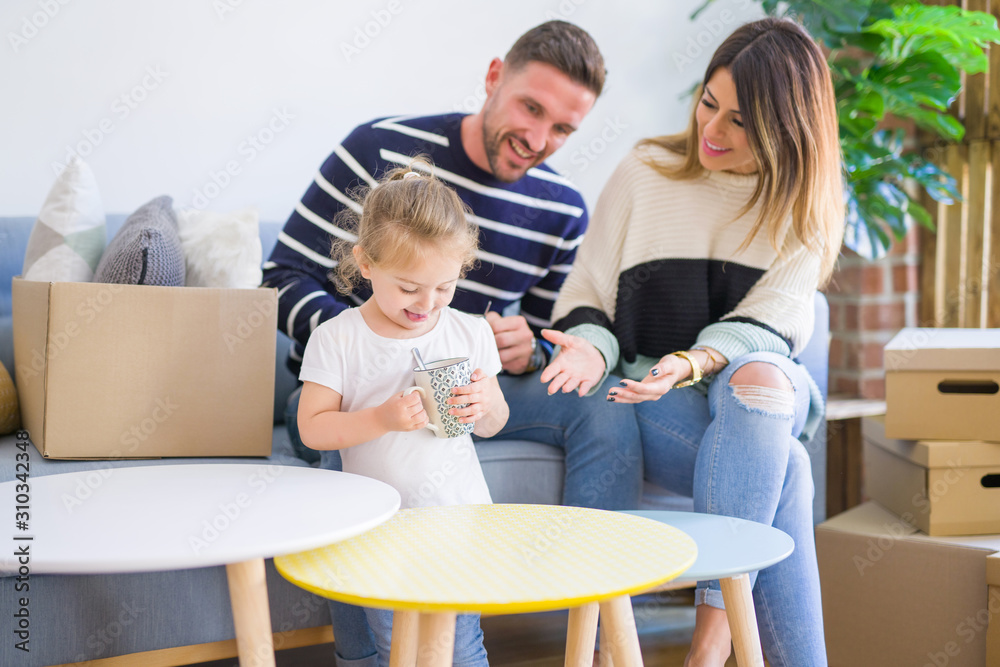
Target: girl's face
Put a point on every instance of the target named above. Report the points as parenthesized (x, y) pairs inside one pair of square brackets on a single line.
[(722, 141), (407, 299)]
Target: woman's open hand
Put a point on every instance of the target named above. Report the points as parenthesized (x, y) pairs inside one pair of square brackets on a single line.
[(667, 372), (578, 366)]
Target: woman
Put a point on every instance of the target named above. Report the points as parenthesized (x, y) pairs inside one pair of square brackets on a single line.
[(695, 283)]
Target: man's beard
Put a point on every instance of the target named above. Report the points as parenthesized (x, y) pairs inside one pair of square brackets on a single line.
[(492, 144)]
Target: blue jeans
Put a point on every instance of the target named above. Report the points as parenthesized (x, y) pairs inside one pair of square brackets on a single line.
[(600, 439), (603, 467), (747, 462), (469, 650)]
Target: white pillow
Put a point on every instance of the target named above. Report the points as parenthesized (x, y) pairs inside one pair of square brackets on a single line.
[(69, 235), (221, 249)]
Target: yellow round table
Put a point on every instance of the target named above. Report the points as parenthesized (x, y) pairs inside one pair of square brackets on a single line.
[(428, 563)]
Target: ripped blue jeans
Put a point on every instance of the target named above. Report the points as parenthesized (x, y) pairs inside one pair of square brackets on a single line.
[(737, 453)]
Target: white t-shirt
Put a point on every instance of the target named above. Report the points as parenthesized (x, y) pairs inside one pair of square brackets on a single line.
[(345, 355)]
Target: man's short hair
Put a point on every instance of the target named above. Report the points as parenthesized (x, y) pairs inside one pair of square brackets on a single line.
[(567, 47)]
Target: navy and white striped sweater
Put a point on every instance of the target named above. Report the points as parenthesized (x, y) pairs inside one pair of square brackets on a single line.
[(529, 230)]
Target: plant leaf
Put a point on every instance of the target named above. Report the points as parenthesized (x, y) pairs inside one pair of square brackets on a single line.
[(826, 20), (922, 79), (920, 214), (958, 35)]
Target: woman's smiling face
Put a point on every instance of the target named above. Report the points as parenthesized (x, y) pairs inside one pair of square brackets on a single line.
[(722, 141)]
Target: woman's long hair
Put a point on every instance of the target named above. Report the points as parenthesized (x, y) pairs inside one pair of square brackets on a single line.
[(789, 112)]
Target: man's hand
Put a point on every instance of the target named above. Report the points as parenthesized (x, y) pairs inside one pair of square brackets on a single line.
[(579, 365), (513, 338)]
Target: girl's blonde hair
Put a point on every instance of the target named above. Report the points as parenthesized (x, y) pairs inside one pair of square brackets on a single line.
[(407, 214), (789, 112)]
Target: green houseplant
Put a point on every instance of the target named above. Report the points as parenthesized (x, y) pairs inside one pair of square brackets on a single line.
[(892, 58)]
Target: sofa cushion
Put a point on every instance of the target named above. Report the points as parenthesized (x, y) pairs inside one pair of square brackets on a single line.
[(146, 250), (10, 418), (67, 239), (221, 249)]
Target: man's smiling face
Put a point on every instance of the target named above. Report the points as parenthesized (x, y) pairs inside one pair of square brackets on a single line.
[(529, 113)]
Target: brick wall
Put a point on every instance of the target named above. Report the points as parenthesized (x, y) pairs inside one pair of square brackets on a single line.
[(869, 303)]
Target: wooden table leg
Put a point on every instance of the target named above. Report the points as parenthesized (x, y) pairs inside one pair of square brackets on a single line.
[(620, 632), (251, 613), (581, 635), (604, 657), (742, 620), (403, 652), (436, 639)]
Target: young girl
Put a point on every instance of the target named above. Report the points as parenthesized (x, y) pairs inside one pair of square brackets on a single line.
[(414, 242)]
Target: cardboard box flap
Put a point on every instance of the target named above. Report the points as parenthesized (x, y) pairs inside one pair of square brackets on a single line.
[(872, 519), (925, 349), (993, 571), (933, 453), (30, 309)]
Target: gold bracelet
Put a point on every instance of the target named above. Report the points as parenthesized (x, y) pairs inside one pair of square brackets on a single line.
[(711, 357), (695, 369)]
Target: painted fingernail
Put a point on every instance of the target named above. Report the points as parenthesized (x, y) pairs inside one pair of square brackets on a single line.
[(611, 399), (622, 383), (654, 372), (613, 393)]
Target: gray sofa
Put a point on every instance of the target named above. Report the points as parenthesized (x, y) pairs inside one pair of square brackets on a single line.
[(89, 617)]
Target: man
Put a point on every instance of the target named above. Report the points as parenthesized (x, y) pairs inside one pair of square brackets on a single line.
[(531, 222)]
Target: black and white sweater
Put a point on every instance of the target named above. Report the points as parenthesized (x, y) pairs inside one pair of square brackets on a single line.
[(660, 270)]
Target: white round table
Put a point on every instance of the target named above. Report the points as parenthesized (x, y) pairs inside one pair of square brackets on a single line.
[(166, 517), (728, 550)]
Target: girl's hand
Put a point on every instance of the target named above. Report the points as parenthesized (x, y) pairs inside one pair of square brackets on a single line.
[(661, 378), (579, 365), (486, 408), (479, 394), (402, 413)]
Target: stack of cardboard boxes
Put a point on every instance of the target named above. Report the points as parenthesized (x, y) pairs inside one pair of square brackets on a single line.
[(912, 577)]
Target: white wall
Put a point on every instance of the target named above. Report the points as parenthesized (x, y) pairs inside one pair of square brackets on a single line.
[(160, 95)]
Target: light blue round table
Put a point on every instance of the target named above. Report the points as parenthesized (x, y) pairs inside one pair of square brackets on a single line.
[(728, 550)]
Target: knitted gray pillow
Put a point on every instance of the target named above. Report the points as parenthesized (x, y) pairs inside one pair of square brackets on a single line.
[(146, 250)]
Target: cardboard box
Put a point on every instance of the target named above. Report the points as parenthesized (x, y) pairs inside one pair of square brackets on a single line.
[(893, 596), (943, 487), (993, 633), (943, 384), (131, 371)]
